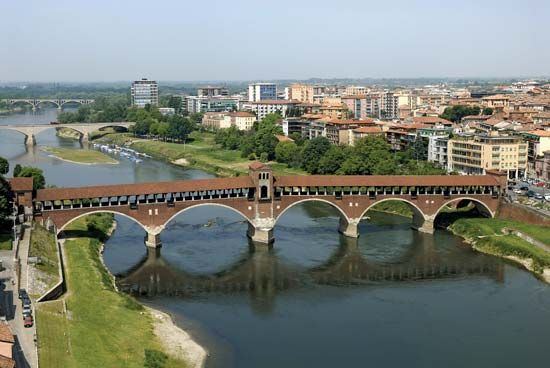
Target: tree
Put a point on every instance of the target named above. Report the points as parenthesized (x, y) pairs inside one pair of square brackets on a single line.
[(419, 149), (4, 166), (287, 152), (456, 113), (487, 111), (39, 182), (332, 160), (5, 198), (16, 170), (313, 150), (264, 139)]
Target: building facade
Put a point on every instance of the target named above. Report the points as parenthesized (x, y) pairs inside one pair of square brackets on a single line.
[(262, 91), (265, 107), (475, 155), (144, 92), (195, 104), (210, 91), (300, 92), (221, 120)]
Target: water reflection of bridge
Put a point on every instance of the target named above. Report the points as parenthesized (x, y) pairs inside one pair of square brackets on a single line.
[(262, 274)]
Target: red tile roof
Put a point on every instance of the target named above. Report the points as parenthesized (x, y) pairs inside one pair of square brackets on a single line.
[(257, 165), (284, 138), (540, 133), (431, 120), (384, 180), (21, 184), (5, 333), (6, 362), (368, 130), (53, 194)]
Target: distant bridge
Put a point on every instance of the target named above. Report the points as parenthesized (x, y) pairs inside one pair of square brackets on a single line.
[(30, 131), (262, 198), (58, 102)]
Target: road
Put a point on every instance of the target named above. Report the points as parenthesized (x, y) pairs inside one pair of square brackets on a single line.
[(25, 348)]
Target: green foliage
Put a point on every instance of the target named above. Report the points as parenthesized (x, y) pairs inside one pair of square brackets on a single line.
[(5, 206), (456, 113), (104, 109), (16, 170), (4, 166), (288, 153), (98, 225), (154, 359), (332, 159), (39, 182), (314, 149), (487, 111)]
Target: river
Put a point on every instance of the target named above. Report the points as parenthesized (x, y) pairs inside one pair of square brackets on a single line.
[(393, 298)]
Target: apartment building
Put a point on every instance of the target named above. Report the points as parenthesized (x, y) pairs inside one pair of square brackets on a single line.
[(221, 120), (300, 92), (496, 102), (538, 142), (194, 104), (264, 107), (262, 91), (355, 90), (364, 131), (475, 155), (144, 92), (437, 150), (210, 91)]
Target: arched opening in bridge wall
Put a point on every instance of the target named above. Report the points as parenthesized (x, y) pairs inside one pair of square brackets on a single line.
[(403, 208), (205, 239), (107, 130), (461, 208), (306, 232), (99, 211), (47, 104), (22, 104)]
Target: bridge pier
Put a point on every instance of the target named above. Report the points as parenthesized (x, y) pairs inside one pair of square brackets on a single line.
[(152, 240), (260, 231), (30, 140), (423, 224), (84, 138), (349, 228)]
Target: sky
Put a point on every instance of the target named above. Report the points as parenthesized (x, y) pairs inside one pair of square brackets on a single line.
[(181, 40)]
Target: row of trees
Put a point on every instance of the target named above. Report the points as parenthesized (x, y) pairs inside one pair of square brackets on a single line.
[(369, 156), (151, 123), (456, 113), (104, 109)]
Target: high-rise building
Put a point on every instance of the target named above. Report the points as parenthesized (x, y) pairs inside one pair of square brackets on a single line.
[(262, 91), (211, 91), (145, 92), (300, 92)]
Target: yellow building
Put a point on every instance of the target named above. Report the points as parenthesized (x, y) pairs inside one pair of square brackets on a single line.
[(222, 120), (475, 155), (300, 92)]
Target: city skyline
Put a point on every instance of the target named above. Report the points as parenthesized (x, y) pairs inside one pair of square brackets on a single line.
[(287, 40)]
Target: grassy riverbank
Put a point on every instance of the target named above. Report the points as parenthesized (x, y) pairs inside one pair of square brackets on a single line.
[(489, 236), (97, 327), (43, 247), (201, 153), (393, 207), (79, 156), (67, 133)]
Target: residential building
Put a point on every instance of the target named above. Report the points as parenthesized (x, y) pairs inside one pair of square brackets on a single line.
[(167, 111), (355, 90), (402, 136), (364, 131), (300, 92), (437, 149), (538, 142), (496, 102), (242, 120), (264, 107), (7, 342), (389, 105), (194, 104), (210, 91), (337, 131), (144, 92), (545, 171), (475, 155), (298, 125), (262, 91)]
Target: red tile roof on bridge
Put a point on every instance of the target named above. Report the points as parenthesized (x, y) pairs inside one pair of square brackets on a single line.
[(383, 180), (54, 194)]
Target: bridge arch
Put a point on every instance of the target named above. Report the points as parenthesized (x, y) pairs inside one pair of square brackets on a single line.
[(100, 210), (417, 212), (204, 205), (479, 204), (41, 102), (342, 213), (21, 102)]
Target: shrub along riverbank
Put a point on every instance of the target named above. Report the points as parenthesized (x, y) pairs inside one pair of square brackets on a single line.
[(94, 325), (201, 153), (493, 236)]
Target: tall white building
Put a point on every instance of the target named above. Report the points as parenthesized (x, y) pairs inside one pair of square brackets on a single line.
[(262, 91), (145, 92)]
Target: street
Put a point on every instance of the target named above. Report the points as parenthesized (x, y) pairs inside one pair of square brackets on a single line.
[(24, 350)]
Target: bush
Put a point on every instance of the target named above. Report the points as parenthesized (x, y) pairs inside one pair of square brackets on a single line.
[(154, 359)]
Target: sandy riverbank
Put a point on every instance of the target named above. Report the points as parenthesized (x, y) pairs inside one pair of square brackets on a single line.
[(51, 154), (176, 341)]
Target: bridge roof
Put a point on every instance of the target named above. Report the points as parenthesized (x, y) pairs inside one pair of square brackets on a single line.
[(54, 194), (21, 184), (384, 180)]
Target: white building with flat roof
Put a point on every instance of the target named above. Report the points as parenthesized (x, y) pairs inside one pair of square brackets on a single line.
[(145, 92), (262, 91)]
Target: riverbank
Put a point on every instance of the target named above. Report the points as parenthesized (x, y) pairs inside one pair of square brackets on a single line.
[(79, 156), (43, 272), (200, 153), (67, 133), (500, 238), (94, 325)]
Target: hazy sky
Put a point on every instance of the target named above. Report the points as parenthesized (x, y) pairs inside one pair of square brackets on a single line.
[(113, 40)]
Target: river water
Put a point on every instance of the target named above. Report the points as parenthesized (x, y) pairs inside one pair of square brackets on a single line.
[(392, 298)]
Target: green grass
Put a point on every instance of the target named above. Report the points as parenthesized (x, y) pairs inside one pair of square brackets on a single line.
[(6, 241), (201, 152), (102, 328), (395, 207), (494, 242), (43, 246), (81, 156)]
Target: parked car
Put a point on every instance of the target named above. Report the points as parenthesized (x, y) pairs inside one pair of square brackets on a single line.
[(26, 302), (530, 194), (547, 197), (23, 293), (524, 188), (27, 311), (28, 321), (540, 184), (539, 196), (517, 191)]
